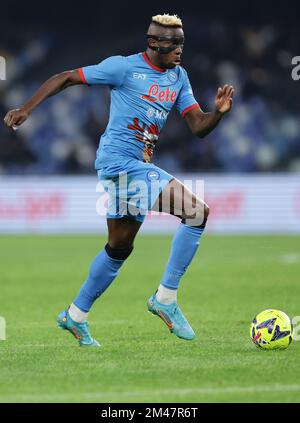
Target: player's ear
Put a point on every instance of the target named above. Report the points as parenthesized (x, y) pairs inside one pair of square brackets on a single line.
[(152, 42)]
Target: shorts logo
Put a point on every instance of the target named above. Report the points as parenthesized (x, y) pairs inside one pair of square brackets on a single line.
[(153, 175), (172, 76)]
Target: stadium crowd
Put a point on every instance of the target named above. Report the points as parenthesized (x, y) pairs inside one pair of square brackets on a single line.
[(262, 134)]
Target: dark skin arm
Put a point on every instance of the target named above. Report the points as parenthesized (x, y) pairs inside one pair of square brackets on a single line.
[(200, 123), (52, 86)]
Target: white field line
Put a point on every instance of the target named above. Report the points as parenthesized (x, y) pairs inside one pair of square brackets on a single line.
[(162, 392), (290, 258)]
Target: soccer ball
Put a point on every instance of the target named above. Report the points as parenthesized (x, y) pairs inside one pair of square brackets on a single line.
[(271, 329)]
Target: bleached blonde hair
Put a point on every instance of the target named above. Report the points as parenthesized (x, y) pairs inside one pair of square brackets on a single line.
[(167, 20)]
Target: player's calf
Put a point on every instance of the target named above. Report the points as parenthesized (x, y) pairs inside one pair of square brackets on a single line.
[(103, 271), (184, 246)]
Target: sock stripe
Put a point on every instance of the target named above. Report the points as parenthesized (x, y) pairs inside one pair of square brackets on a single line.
[(118, 253)]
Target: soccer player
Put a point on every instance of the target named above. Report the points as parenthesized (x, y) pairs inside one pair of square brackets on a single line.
[(144, 88)]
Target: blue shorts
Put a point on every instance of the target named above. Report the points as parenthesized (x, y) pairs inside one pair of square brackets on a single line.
[(133, 187)]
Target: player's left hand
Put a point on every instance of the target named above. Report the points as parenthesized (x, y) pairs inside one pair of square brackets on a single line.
[(224, 99)]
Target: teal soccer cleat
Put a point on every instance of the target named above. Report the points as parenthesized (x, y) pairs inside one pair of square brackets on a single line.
[(79, 330), (172, 316)]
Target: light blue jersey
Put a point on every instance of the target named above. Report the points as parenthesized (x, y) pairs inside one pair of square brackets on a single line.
[(142, 96)]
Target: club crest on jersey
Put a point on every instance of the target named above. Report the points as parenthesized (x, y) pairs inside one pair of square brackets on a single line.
[(172, 76), (137, 75), (155, 94)]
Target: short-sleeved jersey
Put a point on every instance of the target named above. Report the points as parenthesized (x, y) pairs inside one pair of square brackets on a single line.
[(142, 96)]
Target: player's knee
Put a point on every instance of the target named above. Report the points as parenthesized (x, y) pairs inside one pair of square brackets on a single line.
[(199, 217), (206, 211), (118, 251), (200, 211)]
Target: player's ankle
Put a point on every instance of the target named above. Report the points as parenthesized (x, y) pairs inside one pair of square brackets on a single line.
[(166, 295), (76, 314)]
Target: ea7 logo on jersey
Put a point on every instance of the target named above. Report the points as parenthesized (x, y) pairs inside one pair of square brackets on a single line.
[(137, 75)]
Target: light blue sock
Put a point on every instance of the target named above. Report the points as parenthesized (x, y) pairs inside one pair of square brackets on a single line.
[(103, 271), (184, 246)]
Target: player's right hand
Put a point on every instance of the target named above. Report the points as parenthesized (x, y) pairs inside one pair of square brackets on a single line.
[(15, 118)]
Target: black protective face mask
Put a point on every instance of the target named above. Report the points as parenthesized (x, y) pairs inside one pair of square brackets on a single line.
[(177, 42)]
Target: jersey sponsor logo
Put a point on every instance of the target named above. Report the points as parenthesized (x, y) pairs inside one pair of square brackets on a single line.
[(137, 75), (158, 114), (172, 76), (155, 94)]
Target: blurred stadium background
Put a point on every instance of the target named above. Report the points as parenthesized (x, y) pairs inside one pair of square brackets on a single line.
[(249, 45)]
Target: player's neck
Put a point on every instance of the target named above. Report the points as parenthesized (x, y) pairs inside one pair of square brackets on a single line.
[(153, 58)]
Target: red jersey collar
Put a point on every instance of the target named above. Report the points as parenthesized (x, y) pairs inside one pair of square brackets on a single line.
[(146, 58)]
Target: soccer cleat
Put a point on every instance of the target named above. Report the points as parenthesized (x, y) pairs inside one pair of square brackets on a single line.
[(172, 316), (79, 330)]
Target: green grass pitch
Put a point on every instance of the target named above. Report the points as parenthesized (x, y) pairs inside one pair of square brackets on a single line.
[(231, 279)]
